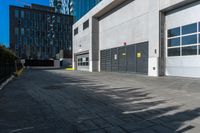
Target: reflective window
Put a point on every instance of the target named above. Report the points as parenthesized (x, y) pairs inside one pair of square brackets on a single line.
[(16, 13), (22, 31), (76, 31), (174, 32), (16, 31), (86, 24), (192, 39), (174, 52), (199, 38), (199, 26), (58, 19), (174, 42), (22, 14), (191, 28), (191, 50), (83, 61)]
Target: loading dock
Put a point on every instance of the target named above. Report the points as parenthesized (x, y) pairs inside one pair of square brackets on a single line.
[(182, 41)]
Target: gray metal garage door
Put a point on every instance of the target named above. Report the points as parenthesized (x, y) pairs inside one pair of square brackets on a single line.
[(131, 58)]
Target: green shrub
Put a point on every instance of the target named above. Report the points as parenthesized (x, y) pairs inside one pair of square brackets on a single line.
[(6, 55)]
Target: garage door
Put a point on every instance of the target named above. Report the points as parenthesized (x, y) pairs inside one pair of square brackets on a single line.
[(82, 62), (131, 58), (182, 42)]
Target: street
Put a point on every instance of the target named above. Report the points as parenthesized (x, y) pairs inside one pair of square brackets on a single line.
[(60, 101)]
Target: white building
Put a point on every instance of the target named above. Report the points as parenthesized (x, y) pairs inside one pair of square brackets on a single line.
[(154, 37)]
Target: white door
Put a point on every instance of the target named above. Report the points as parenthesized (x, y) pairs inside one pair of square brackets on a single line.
[(182, 42)]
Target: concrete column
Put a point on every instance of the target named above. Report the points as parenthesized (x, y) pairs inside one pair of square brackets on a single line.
[(154, 38), (95, 44)]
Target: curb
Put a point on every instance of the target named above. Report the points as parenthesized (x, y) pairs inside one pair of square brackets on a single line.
[(19, 72), (6, 82), (69, 69)]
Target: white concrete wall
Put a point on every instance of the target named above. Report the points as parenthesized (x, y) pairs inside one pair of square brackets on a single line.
[(154, 37), (84, 37), (125, 25), (139, 21), (82, 41), (168, 3)]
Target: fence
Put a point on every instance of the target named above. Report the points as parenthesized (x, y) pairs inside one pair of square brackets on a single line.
[(44, 63), (8, 64)]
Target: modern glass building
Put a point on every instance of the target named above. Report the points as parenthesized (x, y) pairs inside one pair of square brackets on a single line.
[(79, 8), (38, 32), (61, 6)]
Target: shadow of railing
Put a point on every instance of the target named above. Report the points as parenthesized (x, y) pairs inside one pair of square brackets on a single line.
[(135, 109)]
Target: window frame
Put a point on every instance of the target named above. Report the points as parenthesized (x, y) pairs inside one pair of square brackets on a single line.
[(75, 31), (86, 24), (182, 36)]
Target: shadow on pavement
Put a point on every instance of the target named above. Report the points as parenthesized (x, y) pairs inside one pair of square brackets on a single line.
[(43, 101)]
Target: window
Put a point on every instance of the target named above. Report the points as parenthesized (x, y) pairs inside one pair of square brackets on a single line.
[(19, 22), (174, 32), (85, 24), (174, 52), (178, 41), (174, 42), (25, 24), (16, 31), (58, 19), (76, 31), (199, 26), (199, 38), (22, 31), (87, 61), (83, 61), (22, 14), (16, 13), (191, 50), (188, 29), (192, 39), (79, 61), (25, 40)]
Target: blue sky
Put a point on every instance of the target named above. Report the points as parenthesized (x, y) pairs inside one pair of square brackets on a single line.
[(4, 16)]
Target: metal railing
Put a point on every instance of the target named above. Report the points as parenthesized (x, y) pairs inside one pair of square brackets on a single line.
[(8, 68)]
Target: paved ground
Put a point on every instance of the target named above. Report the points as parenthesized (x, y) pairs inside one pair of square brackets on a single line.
[(58, 101)]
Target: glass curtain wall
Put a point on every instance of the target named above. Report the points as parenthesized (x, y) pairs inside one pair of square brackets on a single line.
[(81, 7)]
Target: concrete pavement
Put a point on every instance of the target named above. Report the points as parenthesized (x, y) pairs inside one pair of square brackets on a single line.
[(59, 101)]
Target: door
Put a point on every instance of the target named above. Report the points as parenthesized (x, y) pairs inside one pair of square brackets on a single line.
[(103, 60), (108, 60), (122, 59), (131, 58), (114, 54), (142, 52)]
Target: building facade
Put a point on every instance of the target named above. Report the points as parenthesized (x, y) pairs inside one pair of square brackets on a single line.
[(61, 6), (37, 32), (159, 37), (78, 8)]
